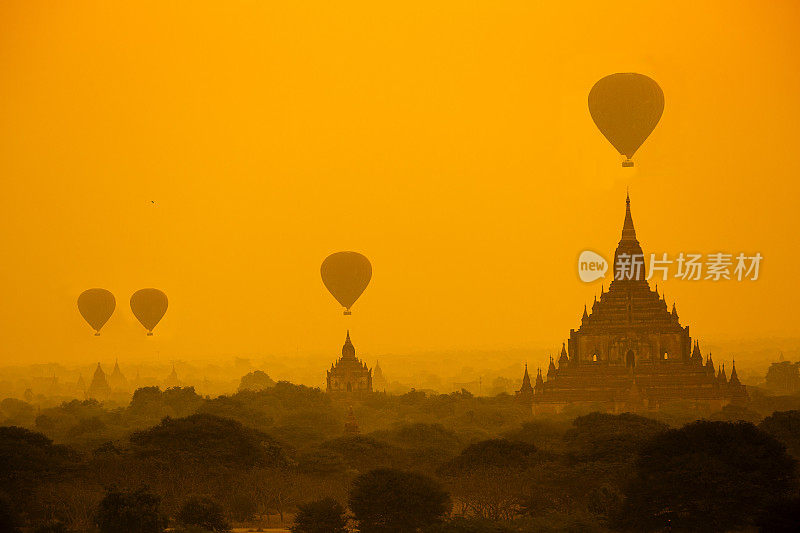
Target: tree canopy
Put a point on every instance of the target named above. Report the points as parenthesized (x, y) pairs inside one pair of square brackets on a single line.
[(26, 455), (320, 516), (394, 501), (204, 512), (706, 476), (603, 436), (784, 426), (209, 439), (130, 512), (256, 381)]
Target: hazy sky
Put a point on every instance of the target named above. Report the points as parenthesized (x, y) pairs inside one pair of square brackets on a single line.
[(450, 142)]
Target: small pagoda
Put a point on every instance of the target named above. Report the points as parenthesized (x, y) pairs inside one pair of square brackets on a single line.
[(349, 376)]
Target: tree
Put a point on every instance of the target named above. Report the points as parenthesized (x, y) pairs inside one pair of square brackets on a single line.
[(393, 501), (51, 526), (361, 452), (8, 517), (607, 437), (321, 463), (734, 413), (130, 512), (471, 525), (26, 457), (320, 516), (544, 433), (208, 440), (499, 453), (150, 402), (781, 516), (488, 477), (706, 476), (420, 436), (15, 412), (256, 381), (204, 512), (784, 426)]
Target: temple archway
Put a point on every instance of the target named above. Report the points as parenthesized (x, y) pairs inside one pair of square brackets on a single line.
[(630, 359)]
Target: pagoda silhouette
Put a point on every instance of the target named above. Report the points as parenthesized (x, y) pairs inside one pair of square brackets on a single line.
[(349, 376), (631, 352)]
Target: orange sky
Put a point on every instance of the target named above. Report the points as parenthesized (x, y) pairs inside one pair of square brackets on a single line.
[(450, 142)]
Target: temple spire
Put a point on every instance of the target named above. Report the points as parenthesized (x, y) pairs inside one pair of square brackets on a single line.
[(629, 264), (734, 376), (526, 379), (628, 231), (563, 359), (348, 350)]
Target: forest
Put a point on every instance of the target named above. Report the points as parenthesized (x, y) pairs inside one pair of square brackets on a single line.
[(173, 459)]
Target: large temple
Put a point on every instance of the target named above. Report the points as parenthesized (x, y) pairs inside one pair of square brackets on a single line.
[(99, 389), (349, 376), (631, 352)]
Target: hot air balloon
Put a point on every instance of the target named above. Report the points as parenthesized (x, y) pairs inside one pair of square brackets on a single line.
[(346, 275), (626, 108), (149, 306), (96, 307)]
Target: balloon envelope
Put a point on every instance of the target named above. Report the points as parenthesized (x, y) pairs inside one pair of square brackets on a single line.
[(149, 306), (96, 307), (626, 108), (346, 275)]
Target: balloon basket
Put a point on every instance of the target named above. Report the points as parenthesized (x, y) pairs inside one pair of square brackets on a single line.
[(149, 333), (347, 313), (97, 334), (627, 163)]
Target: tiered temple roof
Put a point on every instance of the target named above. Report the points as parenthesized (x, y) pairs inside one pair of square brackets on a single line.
[(349, 375), (379, 381), (630, 349), (117, 380), (98, 389), (525, 393)]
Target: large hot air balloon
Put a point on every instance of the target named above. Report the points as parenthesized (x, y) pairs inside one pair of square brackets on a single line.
[(149, 306), (346, 275), (626, 108), (96, 307)]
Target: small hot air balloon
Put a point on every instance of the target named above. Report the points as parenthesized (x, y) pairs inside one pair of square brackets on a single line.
[(626, 108), (346, 275), (96, 307), (149, 306)]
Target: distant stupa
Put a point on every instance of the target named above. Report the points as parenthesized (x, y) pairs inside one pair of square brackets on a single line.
[(53, 386), (351, 425), (99, 389), (137, 381), (81, 385), (172, 380), (379, 381), (117, 380)]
